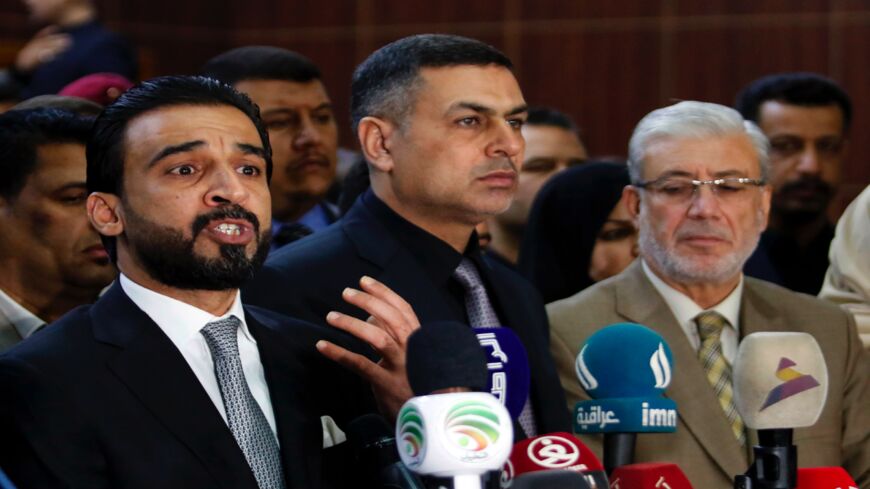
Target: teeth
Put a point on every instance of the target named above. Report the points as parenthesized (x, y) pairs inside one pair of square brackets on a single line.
[(229, 229)]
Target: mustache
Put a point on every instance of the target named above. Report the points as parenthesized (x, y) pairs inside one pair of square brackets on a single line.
[(808, 183), (500, 164), (695, 229), (232, 211)]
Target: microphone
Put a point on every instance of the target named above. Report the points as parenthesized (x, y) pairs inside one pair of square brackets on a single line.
[(556, 479), (375, 447), (625, 368), (445, 355), (459, 435), (780, 383), (508, 366), (824, 478), (554, 452), (649, 476)]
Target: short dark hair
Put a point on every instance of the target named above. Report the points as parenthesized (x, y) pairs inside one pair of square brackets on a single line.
[(22, 132), (105, 148), (260, 63), (385, 83), (805, 89), (548, 116)]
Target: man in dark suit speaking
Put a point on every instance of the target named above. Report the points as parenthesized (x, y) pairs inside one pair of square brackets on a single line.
[(168, 380), (438, 119)]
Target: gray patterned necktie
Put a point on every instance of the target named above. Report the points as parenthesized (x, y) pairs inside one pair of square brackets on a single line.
[(244, 416), (481, 314)]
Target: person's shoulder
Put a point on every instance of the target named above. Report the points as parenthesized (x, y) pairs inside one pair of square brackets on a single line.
[(596, 300), (58, 343), (311, 251), (793, 304)]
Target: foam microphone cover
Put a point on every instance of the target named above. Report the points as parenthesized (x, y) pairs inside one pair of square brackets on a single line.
[(555, 479), (780, 380), (624, 360), (509, 376), (649, 476), (445, 354), (824, 478)]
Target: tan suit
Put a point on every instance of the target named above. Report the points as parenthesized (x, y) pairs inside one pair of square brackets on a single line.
[(704, 446)]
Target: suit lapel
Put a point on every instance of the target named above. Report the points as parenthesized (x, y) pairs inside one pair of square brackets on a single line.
[(155, 372), (293, 421), (639, 301)]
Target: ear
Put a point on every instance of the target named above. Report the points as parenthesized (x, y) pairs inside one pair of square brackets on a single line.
[(375, 137), (766, 195), (105, 213), (631, 197)]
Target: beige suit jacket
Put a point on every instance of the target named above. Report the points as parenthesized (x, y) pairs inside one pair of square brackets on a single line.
[(704, 446)]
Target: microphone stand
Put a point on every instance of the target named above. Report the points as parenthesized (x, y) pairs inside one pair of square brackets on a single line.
[(775, 462)]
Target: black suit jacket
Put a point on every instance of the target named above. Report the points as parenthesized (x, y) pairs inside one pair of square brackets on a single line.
[(305, 280), (102, 398)]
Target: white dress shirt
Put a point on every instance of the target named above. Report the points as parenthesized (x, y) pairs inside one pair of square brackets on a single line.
[(182, 324), (24, 321), (685, 310)]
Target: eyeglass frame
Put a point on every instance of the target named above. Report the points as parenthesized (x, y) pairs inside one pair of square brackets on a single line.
[(696, 184)]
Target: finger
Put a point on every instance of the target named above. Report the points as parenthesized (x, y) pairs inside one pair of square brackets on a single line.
[(385, 344), (46, 31), (355, 362), (387, 316), (380, 290)]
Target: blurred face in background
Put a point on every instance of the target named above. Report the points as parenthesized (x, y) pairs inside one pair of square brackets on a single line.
[(807, 152), (615, 245), (549, 150), (304, 138)]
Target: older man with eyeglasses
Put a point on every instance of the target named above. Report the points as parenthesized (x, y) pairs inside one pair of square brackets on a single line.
[(700, 196)]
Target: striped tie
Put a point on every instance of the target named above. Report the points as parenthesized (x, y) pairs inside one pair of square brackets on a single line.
[(481, 314), (710, 326)]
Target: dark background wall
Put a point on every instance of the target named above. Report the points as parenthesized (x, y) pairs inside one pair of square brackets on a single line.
[(605, 63)]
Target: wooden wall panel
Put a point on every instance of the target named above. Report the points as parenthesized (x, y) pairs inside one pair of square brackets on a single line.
[(606, 112)]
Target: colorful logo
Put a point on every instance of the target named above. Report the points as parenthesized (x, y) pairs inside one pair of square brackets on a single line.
[(553, 452), (794, 383), (472, 426), (411, 438)]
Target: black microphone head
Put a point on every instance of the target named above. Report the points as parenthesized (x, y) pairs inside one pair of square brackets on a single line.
[(368, 429), (551, 479), (445, 354)]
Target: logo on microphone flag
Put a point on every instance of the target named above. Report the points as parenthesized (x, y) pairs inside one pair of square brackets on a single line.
[(553, 452), (411, 435), (794, 383), (661, 367), (472, 427)]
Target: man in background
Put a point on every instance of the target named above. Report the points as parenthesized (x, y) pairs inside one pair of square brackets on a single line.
[(552, 145), (297, 112), (51, 257), (73, 44), (807, 118)]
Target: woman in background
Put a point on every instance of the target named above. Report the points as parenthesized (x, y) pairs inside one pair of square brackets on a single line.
[(579, 231), (847, 281)]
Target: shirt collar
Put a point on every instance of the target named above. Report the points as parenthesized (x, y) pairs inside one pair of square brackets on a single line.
[(438, 258), (685, 309), (24, 321), (179, 320)]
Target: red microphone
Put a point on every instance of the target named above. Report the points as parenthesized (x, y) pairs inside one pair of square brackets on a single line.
[(554, 451), (824, 478), (649, 476)]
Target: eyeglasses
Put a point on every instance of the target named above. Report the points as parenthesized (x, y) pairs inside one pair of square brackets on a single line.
[(681, 189)]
